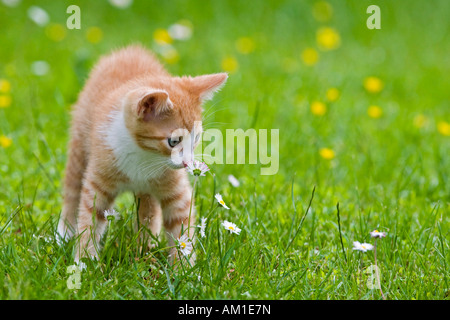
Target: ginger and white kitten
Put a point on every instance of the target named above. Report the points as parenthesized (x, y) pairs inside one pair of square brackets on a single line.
[(127, 133)]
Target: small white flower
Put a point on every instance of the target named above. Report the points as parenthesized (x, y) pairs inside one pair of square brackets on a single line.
[(234, 182), (111, 214), (184, 245), (197, 168), (377, 234), (220, 200), (38, 15), (40, 68), (230, 226), (11, 3), (121, 4), (362, 246), (202, 227), (180, 31)]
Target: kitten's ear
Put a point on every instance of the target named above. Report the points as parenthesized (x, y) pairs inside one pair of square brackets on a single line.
[(206, 85), (152, 104)]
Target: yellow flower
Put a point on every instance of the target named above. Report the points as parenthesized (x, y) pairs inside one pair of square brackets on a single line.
[(322, 11), (55, 32), (5, 101), (332, 94), (420, 121), (328, 38), (444, 128), (162, 37), (5, 142), (318, 108), (310, 56), (245, 45), (327, 153), (5, 86), (373, 84), (375, 112), (94, 35), (230, 64)]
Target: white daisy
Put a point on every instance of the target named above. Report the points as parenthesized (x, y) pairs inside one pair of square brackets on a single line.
[(121, 4), (202, 227), (377, 234), (38, 15), (40, 68), (180, 31), (111, 214), (362, 246), (234, 182), (197, 168), (185, 245), (11, 3), (220, 200), (230, 226)]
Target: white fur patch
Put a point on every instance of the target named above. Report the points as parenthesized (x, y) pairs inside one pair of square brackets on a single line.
[(138, 164)]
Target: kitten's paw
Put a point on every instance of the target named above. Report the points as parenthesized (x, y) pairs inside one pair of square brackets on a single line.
[(63, 233)]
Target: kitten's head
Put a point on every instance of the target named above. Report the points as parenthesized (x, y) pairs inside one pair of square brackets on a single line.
[(164, 115)]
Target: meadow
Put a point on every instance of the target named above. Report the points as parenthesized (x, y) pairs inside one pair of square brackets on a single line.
[(364, 125)]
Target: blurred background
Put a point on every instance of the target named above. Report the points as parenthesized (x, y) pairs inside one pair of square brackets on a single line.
[(363, 117)]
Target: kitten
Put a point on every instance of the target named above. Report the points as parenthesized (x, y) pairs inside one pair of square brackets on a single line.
[(133, 126)]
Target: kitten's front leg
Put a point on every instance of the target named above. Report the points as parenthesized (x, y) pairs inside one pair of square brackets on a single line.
[(176, 207), (150, 216), (96, 197)]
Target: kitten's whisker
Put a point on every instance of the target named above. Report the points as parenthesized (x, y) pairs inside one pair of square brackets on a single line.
[(212, 106), (210, 114), (144, 167), (164, 168), (206, 117)]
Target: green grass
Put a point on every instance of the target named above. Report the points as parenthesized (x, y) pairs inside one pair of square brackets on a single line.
[(387, 173)]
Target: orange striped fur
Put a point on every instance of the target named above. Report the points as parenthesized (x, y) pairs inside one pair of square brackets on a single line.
[(129, 108)]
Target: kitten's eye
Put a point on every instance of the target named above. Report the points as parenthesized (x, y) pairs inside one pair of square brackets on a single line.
[(174, 141), (197, 137)]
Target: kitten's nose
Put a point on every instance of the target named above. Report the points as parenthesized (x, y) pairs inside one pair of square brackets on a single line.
[(184, 163)]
